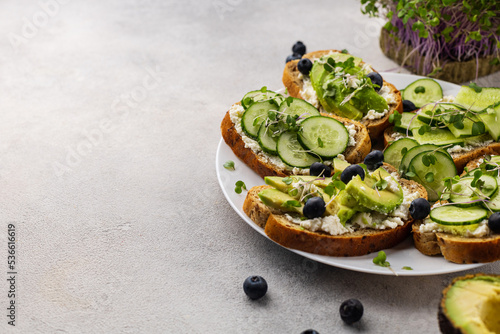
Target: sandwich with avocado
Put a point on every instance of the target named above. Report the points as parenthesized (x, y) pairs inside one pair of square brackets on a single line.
[(354, 212), (341, 84)]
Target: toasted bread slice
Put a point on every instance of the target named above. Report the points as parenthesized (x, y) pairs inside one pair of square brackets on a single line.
[(259, 162), (455, 248), (361, 242), (460, 159), (293, 82)]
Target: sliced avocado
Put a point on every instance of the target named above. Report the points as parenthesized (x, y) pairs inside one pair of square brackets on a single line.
[(383, 201), (470, 305), (278, 183), (279, 200), (339, 165)]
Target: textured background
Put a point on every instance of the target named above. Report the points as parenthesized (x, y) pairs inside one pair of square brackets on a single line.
[(109, 124)]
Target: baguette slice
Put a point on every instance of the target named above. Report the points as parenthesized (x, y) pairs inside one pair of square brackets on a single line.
[(294, 84), (460, 159), (364, 241), (263, 167), (455, 248)]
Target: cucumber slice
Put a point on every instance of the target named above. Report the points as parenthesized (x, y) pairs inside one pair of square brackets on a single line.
[(408, 121), (324, 136), (423, 91), (430, 114), (394, 153), (254, 116), (491, 119), (470, 99), (260, 95), (298, 107), (454, 215), (403, 167), (442, 167), (292, 153), (466, 131), (440, 137), (463, 192), (494, 203), (266, 139)]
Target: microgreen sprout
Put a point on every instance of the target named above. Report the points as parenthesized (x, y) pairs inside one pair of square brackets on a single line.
[(381, 260), (229, 165), (240, 185)]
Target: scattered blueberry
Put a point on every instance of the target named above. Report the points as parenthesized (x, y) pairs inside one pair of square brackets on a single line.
[(351, 172), (420, 208), (304, 66), (408, 106), (255, 287), (293, 57), (494, 222), (351, 311), (309, 331), (376, 79), (374, 160), (319, 169), (314, 208), (299, 48)]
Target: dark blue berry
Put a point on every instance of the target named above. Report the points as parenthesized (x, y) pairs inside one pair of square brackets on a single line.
[(304, 66), (376, 80), (314, 208), (374, 160), (319, 169), (351, 172), (309, 331), (351, 311), (255, 287), (293, 57), (408, 106), (494, 222), (299, 48), (420, 208)]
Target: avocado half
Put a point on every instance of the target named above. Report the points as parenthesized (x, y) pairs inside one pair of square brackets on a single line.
[(471, 305)]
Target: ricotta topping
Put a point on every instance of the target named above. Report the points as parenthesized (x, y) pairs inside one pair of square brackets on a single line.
[(471, 145), (351, 128), (368, 220), (481, 231)]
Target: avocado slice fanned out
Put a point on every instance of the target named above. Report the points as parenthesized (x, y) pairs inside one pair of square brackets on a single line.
[(471, 305)]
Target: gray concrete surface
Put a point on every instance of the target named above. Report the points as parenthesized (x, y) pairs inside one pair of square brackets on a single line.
[(109, 124)]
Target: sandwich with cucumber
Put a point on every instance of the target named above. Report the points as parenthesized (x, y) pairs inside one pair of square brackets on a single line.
[(464, 225), (279, 136), (341, 84), (352, 213), (466, 126)]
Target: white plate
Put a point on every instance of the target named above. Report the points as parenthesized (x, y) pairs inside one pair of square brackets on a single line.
[(402, 255)]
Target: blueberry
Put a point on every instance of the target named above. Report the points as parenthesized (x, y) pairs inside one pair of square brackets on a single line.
[(319, 169), (494, 222), (293, 57), (408, 106), (314, 208), (351, 311), (351, 172), (420, 208), (376, 80), (255, 287), (304, 66), (374, 160), (309, 331), (299, 48)]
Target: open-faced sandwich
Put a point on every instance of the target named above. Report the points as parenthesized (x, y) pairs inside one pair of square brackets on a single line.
[(277, 135), (354, 212), (341, 84), (464, 226)]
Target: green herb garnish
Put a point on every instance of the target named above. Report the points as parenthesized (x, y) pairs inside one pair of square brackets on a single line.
[(240, 185), (229, 165), (407, 268), (380, 260)]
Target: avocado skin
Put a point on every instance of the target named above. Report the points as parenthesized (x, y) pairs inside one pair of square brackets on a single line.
[(447, 325)]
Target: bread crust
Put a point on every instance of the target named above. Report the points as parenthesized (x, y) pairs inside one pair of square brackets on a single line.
[(460, 159), (290, 235), (294, 86), (353, 154)]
